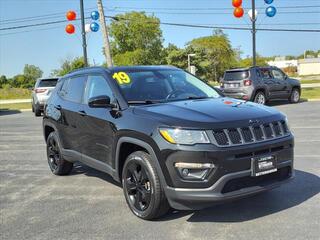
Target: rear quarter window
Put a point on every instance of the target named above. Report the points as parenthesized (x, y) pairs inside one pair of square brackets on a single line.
[(236, 75)]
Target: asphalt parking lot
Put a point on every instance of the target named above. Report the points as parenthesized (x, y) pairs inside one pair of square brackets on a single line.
[(34, 204)]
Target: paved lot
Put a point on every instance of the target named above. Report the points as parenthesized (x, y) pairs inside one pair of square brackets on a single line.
[(88, 205)]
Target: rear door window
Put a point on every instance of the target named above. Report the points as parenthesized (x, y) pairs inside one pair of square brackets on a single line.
[(72, 89), (265, 73), (236, 75)]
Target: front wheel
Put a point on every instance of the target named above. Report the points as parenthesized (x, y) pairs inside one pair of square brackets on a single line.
[(294, 96), (260, 98), (141, 186), (57, 164)]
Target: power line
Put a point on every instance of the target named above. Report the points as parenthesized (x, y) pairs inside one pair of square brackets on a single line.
[(209, 8), (117, 18)]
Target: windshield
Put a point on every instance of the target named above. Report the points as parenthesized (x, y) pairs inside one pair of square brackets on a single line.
[(235, 75), (161, 85)]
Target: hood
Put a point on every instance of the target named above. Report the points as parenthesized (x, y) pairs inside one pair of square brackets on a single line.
[(207, 112)]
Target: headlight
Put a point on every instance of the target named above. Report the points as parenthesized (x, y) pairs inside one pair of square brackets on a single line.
[(186, 137)]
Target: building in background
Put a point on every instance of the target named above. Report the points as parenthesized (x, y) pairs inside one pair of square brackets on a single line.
[(281, 62), (309, 66)]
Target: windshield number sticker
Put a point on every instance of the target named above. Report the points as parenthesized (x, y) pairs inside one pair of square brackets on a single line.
[(122, 78)]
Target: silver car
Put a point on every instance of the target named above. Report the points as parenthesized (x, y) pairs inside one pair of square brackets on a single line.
[(41, 93)]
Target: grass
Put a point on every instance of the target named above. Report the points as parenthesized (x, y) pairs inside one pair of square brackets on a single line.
[(14, 93), (310, 93), (307, 81), (15, 106)]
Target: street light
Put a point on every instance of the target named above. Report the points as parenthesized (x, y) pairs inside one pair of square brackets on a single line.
[(189, 65)]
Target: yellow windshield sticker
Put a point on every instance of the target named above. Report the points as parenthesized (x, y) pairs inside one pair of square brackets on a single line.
[(122, 78)]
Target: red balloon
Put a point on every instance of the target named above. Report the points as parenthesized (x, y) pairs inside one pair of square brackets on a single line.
[(70, 29), (236, 3), (71, 15), (238, 12)]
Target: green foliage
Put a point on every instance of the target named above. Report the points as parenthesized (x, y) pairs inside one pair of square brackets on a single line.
[(68, 65), (31, 73), (3, 81), (247, 62), (214, 54), (136, 39)]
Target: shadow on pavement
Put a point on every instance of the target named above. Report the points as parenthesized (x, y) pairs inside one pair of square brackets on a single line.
[(283, 102), (78, 168), (4, 111), (303, 187)]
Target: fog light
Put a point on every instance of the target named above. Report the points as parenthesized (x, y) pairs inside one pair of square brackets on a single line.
[(185, 172), (194, 171)]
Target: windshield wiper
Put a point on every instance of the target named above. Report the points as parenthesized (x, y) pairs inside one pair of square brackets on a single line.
[(193, 97), (144, 101)]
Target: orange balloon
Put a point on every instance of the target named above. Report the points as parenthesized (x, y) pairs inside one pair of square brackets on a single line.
[(236, 3), (238, 12), (70, 29), (71, 15)]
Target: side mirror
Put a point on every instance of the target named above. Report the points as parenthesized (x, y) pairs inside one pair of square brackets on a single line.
[(100, 102)]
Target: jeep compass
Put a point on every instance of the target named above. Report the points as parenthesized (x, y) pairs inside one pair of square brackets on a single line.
[(168, 137)]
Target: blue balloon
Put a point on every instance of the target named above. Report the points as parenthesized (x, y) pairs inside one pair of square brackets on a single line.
[(271, 11), (268, 1), (94, 27), (95, 15)]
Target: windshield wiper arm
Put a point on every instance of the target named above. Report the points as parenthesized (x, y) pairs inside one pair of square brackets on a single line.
[(192, 97)]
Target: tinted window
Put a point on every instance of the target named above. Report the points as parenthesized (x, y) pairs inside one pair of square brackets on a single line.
[(236, 75), (72, 88), (161, 85), (277, 74), (48, 82), (97, 86)]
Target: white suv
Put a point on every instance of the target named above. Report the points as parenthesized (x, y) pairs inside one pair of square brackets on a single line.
[(41, 93)]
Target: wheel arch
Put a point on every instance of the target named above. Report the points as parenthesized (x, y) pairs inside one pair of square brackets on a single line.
[(139, 145)]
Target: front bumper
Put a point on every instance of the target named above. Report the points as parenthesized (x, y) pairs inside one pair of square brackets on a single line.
[(223, 191), (232, 177)]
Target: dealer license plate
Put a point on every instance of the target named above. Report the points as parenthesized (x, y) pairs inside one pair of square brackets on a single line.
[(263, 165)]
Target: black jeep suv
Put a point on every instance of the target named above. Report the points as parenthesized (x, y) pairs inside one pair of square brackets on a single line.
[(171, 139)]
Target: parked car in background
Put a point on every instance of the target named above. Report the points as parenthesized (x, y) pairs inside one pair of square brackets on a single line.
[(168, 137), (260, 84), (41, 92)]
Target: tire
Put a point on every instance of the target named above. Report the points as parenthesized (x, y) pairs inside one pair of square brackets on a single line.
[(260, 98), (37, 111), (141, 186), (57, 164), (294, 96)]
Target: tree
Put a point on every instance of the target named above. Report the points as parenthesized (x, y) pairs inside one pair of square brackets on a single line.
[(68, 65), (3, 81), (30, 74), (176, 57), (247, 62), (136, 39), (214, 55)]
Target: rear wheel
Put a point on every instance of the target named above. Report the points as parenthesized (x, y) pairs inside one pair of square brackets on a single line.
[(37, 111), (260, 98), (294, 96), (141, 186), (57, 164)]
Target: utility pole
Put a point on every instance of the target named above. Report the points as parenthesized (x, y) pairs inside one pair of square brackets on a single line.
[(253, 20), (84, 41), (104, 30)]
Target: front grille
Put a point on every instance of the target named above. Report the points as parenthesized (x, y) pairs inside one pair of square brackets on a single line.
[(245, 135), (221, 137)]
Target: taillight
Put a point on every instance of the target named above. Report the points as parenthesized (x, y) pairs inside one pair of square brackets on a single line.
[(247, 82), (40, 90)]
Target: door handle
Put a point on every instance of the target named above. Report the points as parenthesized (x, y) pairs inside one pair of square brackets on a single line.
[(58, 107), (82, 113)]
